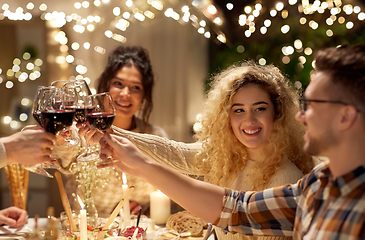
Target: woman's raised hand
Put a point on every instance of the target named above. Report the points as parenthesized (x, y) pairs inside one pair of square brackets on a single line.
[(132, 159), (90, 134)]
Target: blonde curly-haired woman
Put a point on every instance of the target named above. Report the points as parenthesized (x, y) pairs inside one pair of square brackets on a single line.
[(249, 138)]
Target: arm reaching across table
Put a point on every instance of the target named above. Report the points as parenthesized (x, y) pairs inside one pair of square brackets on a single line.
[(201, 199), (178, 155)]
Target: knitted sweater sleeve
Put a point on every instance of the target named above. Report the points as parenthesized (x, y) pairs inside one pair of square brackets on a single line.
[(178, 155)]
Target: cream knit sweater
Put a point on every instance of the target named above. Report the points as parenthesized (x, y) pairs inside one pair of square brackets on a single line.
[(181, 156)]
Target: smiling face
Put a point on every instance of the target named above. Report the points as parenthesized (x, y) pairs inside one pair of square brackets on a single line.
[(252, 116), (127, 92)]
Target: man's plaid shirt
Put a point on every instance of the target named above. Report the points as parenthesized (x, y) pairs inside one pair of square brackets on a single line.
[(316, 207)]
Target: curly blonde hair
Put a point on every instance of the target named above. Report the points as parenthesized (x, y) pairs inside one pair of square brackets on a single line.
[(222, 154)]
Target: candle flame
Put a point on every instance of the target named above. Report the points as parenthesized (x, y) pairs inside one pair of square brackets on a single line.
[(82, 205), (124, 178)]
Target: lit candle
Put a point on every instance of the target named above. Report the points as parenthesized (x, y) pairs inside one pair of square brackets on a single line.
[(126, 209), (83, 220), (160, 207)]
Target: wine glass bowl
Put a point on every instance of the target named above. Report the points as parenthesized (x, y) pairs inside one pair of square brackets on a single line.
[(100, 121), (47, 110), (55, 117), (100, 117), (80, 91), (43, 92), (103, 113)]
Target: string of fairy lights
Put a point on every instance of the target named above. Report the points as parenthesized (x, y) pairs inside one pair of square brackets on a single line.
[(253, 12), (204, 16), (344, 14)]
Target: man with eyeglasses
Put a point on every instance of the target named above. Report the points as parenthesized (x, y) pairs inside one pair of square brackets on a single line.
[(328, 203)]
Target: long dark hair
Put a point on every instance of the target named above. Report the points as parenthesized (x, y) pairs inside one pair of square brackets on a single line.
[(128, 56)]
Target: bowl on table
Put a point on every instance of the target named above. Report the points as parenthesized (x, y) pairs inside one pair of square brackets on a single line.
[(94, 227)]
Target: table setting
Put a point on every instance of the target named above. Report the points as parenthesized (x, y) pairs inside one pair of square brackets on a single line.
[(79, 225)]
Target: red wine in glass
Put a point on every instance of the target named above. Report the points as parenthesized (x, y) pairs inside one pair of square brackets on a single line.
[(81, 112), (37, 117), (101, 120), (54, 121)]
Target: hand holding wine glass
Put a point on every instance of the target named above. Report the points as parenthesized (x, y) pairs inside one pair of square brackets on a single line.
[(57, 119), (43, 92)]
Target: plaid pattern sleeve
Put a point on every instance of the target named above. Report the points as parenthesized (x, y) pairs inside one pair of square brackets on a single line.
[(316, 207), (259, 213)]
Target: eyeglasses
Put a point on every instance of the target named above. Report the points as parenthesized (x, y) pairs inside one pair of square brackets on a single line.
[(303, 103)]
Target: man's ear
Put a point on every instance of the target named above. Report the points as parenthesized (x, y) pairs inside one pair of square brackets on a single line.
[(348, 118)]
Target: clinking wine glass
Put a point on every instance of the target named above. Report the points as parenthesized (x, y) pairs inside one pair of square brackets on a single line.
[(102, 116), (43, 92), (82, 106), (56, 118), (80, 91)]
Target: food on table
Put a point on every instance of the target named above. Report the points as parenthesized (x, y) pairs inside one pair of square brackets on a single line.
[(92, 233), (184, 222), (129, 232)]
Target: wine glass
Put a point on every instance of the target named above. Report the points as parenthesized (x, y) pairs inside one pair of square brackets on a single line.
[(82, 107), (56, 118), (43, 92), (103, 114), (80, 91)]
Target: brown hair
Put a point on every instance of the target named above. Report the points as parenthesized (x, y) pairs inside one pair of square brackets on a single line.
[(346, 65), (126, 57)]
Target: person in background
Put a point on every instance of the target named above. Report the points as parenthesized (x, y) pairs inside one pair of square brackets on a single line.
[(33, 145), (327, 203), (249, 139), (129, 79)]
